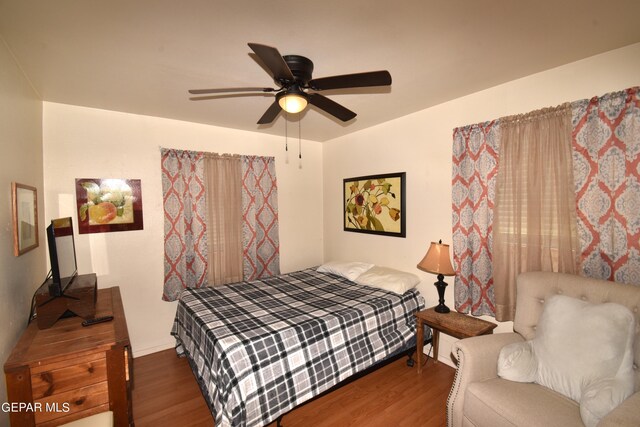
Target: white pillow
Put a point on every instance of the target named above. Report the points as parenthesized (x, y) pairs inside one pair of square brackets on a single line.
[(517, 362), (388, 279), (349, 270), (581, 350)]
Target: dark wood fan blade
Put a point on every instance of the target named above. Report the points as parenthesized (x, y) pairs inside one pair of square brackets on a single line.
[(271, 113), (227, 95), (230, 89), (273, 60), (331, 107), (372, 78)]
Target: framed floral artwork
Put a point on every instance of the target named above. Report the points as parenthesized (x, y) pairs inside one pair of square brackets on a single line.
[(106, 205), (375, 204), (24, 203)]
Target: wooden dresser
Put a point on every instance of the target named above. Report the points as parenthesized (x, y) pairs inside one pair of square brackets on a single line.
[(68, 371)]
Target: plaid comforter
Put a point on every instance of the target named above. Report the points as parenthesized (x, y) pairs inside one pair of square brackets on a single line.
[(261, 348)]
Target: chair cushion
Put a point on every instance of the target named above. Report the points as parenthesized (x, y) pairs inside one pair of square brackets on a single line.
[(581, 350), (498, 402), (103, 419)]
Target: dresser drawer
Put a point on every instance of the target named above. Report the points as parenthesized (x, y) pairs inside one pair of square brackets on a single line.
[(52, 379), (70, 402)]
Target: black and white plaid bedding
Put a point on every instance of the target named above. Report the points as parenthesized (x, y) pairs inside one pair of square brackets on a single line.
[(261, 348)]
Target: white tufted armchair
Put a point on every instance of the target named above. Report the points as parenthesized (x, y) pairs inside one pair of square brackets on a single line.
[(479, 397)]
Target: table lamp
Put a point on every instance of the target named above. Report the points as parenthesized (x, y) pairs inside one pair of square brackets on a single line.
[(437, 261)]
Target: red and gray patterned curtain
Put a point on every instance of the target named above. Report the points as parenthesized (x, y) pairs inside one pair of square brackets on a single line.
[(606, 162), (475, 164), (260, 218), (186, 218), (606, 170), (185, 247)]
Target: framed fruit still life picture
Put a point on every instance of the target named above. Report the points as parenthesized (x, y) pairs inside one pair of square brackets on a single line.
[(375, 204), (106, 205)]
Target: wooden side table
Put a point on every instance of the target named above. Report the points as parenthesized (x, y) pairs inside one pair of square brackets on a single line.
[(453, 323)]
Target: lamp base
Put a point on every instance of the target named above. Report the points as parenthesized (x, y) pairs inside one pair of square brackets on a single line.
[(440, 286), (441, 308)]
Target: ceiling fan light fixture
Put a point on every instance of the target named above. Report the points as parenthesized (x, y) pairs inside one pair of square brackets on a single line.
[(293, 76), (293, 102)]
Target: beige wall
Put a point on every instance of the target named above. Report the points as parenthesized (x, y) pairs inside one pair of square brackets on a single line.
[(85, 142), (420, 145), (89, 143), (21, 161)]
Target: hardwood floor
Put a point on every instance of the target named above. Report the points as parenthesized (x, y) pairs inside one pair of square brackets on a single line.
[(165, 393)]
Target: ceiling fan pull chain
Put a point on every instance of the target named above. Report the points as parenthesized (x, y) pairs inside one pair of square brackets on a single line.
[(286, 142), (299, 139)]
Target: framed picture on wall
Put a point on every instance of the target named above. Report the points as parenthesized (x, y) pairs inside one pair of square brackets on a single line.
[(24, 203), (106, 205), (375, 204)]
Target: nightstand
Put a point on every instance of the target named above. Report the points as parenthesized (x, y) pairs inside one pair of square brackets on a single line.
[(453, 323)]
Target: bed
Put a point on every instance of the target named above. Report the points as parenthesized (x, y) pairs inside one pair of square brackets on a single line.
[(258, 349)]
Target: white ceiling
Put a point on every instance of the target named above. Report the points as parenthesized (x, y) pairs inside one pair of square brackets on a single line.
[(141, 56)]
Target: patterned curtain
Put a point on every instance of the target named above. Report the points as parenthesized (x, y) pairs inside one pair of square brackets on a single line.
[(260, 217), (185, 176), (606, 171), (185, 241), (475, 164), (606, 157)]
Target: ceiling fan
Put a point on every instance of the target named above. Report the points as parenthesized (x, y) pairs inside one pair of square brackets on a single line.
[(296, 87)]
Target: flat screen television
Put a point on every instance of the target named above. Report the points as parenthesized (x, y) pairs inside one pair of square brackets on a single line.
[(62, 254)]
